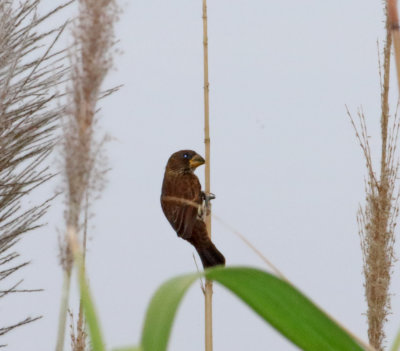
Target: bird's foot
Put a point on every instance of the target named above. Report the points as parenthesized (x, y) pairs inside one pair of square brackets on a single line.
[(207, 197), (210, 196)]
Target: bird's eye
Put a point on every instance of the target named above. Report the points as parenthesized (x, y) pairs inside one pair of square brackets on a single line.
[(185, 155)]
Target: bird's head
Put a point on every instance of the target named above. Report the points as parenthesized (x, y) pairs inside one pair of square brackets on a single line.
[(184, 161)]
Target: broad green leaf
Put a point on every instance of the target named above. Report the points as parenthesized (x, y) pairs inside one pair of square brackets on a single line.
[(161, 312), (277, 302), (285, 308), (128, 348)]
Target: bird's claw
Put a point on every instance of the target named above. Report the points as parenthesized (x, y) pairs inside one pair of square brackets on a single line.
[(210, 196), (207, 197)]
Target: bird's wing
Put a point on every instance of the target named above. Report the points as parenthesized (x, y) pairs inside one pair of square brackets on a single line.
[(182, 218), (181, 215)]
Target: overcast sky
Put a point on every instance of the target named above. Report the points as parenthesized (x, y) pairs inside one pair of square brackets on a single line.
[(286, 168)]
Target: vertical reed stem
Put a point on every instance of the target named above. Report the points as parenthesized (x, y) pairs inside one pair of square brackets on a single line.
[(80, 326), (208, 286), (63, 311), (394, 28)]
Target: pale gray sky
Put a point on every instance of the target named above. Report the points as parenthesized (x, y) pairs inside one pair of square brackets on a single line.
[(286, 167)]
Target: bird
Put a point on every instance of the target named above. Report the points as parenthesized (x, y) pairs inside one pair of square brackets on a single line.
[(181, 202)]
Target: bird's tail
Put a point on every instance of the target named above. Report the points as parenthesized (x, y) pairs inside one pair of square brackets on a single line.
[(210, 256)]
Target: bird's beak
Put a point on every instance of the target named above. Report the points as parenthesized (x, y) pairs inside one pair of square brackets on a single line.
[(196, 161)]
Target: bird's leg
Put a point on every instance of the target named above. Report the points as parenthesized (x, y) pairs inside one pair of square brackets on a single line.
[(207, 202)]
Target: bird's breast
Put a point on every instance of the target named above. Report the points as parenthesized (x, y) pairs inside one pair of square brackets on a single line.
[(185, 186)]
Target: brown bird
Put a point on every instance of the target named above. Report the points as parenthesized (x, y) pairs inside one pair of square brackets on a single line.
[(181, 200)]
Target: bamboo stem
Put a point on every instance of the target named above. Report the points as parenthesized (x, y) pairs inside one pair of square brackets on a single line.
[(208, 286)]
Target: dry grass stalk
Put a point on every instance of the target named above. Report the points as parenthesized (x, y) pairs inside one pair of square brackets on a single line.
[(78, 336), (395, 31), (91, 61), (377, 219), (274, 269), (29, 76), (208, 286)]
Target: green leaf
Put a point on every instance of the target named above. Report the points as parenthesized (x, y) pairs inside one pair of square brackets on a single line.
[(128, 348), (161, 312), (277, 302), (285, 308)]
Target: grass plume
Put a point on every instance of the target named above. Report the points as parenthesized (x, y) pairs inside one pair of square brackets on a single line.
[(91, 60), (30, 74), (377, 218)]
